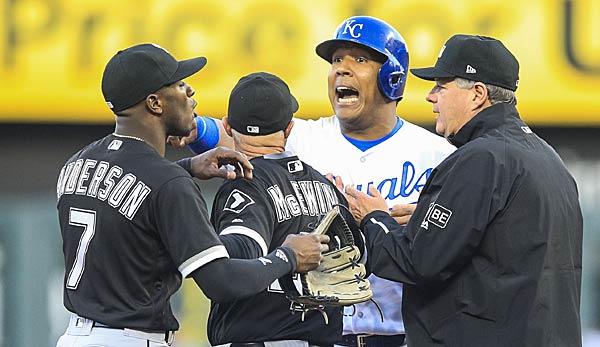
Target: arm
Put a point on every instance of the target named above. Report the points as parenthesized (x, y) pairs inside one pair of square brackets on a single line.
[(241, 247), (218, 162), (448, 225), (209, 133), (227, 279)]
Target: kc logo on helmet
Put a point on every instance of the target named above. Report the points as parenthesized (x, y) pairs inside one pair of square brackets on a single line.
[(437, 215), (349, 27)]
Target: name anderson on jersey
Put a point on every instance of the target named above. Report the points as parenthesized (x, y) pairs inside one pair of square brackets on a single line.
[(310, 198), (106, 183)]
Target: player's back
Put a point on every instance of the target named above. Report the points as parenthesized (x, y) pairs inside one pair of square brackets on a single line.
[(286, 196), (112, 197)]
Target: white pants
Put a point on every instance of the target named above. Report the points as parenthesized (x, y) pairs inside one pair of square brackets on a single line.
[(82, 333), (284, 343)]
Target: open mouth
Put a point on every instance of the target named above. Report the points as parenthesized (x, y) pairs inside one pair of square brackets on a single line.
[(346, 95)]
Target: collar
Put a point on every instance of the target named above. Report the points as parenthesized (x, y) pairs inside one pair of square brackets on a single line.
[(282, 155), (486, 120)]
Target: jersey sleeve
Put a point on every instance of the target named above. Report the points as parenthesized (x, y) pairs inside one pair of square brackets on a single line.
[(447, 226), (299, 131), (183, 225), (308, 134), (241, 207)]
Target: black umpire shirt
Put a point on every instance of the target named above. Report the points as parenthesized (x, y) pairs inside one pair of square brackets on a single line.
[(131, 229), (492, 254), (285, 196)]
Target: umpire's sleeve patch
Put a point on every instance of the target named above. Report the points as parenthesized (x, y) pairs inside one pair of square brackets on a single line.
[(237, 201), (437, 215)]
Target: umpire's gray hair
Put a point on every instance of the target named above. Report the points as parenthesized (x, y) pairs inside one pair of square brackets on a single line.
[(495, 94)]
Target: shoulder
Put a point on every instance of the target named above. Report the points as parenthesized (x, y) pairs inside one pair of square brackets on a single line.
[(479, 153), (425, 138), (91, 147), (323, 123)]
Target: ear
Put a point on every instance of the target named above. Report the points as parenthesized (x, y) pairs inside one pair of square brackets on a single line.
[(226, 126), (480, 95), (288, 129), (154, 104)]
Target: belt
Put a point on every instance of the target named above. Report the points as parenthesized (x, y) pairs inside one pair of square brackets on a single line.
[(365, 340), (167, 336)]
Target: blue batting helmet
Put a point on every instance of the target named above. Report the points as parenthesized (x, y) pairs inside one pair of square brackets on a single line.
[(381, 37)]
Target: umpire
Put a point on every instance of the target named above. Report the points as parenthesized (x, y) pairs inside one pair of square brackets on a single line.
[(492, 254)]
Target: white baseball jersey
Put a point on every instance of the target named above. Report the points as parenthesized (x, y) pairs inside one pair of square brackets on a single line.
[(398, 167)]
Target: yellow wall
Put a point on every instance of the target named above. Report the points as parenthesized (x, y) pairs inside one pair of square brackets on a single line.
[(52, 52)]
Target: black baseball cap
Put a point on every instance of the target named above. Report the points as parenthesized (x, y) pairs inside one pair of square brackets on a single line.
[(260, 104), (136, 72), (477, 58)]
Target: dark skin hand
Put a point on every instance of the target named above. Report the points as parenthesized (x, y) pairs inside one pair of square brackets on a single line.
[(182, 141), (308, 249), (212, 164)]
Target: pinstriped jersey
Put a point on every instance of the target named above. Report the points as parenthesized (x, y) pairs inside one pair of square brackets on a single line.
[(133, 224), (284, 197), (398, 167)]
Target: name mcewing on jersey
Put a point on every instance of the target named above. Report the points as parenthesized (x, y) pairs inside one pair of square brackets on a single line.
[(122, 191), (309, 198)]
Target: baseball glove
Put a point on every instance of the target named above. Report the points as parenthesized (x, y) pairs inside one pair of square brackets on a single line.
[(340, 280)]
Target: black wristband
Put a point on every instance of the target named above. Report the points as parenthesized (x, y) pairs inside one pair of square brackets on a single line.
[(186, 164), (291, 256)]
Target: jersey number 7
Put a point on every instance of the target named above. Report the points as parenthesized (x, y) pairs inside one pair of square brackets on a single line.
[(87, 220)]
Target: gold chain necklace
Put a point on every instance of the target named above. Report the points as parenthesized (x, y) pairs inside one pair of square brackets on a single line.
[(129, 137)]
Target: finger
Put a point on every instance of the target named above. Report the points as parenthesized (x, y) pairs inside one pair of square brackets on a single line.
[(402, 220), (330, 177), (228, 156), (231, 175), (324, 248), (223, 172), (374, 192), (173, 141), (400, 210), (323, 238), (247, 173), (354, 193), (339, 183)]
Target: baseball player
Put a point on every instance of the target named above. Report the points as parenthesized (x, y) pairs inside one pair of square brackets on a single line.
[(134, 224), (366, 144), (253, 217)]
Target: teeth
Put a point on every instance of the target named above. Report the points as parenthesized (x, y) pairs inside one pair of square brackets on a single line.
[(340, 89), (347, 100)]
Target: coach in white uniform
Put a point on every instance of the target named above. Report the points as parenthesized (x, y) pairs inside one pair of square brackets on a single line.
[(365, 143)]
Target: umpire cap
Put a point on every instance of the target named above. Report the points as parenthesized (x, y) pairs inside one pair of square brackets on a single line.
[(136, 72), (476, 58)]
